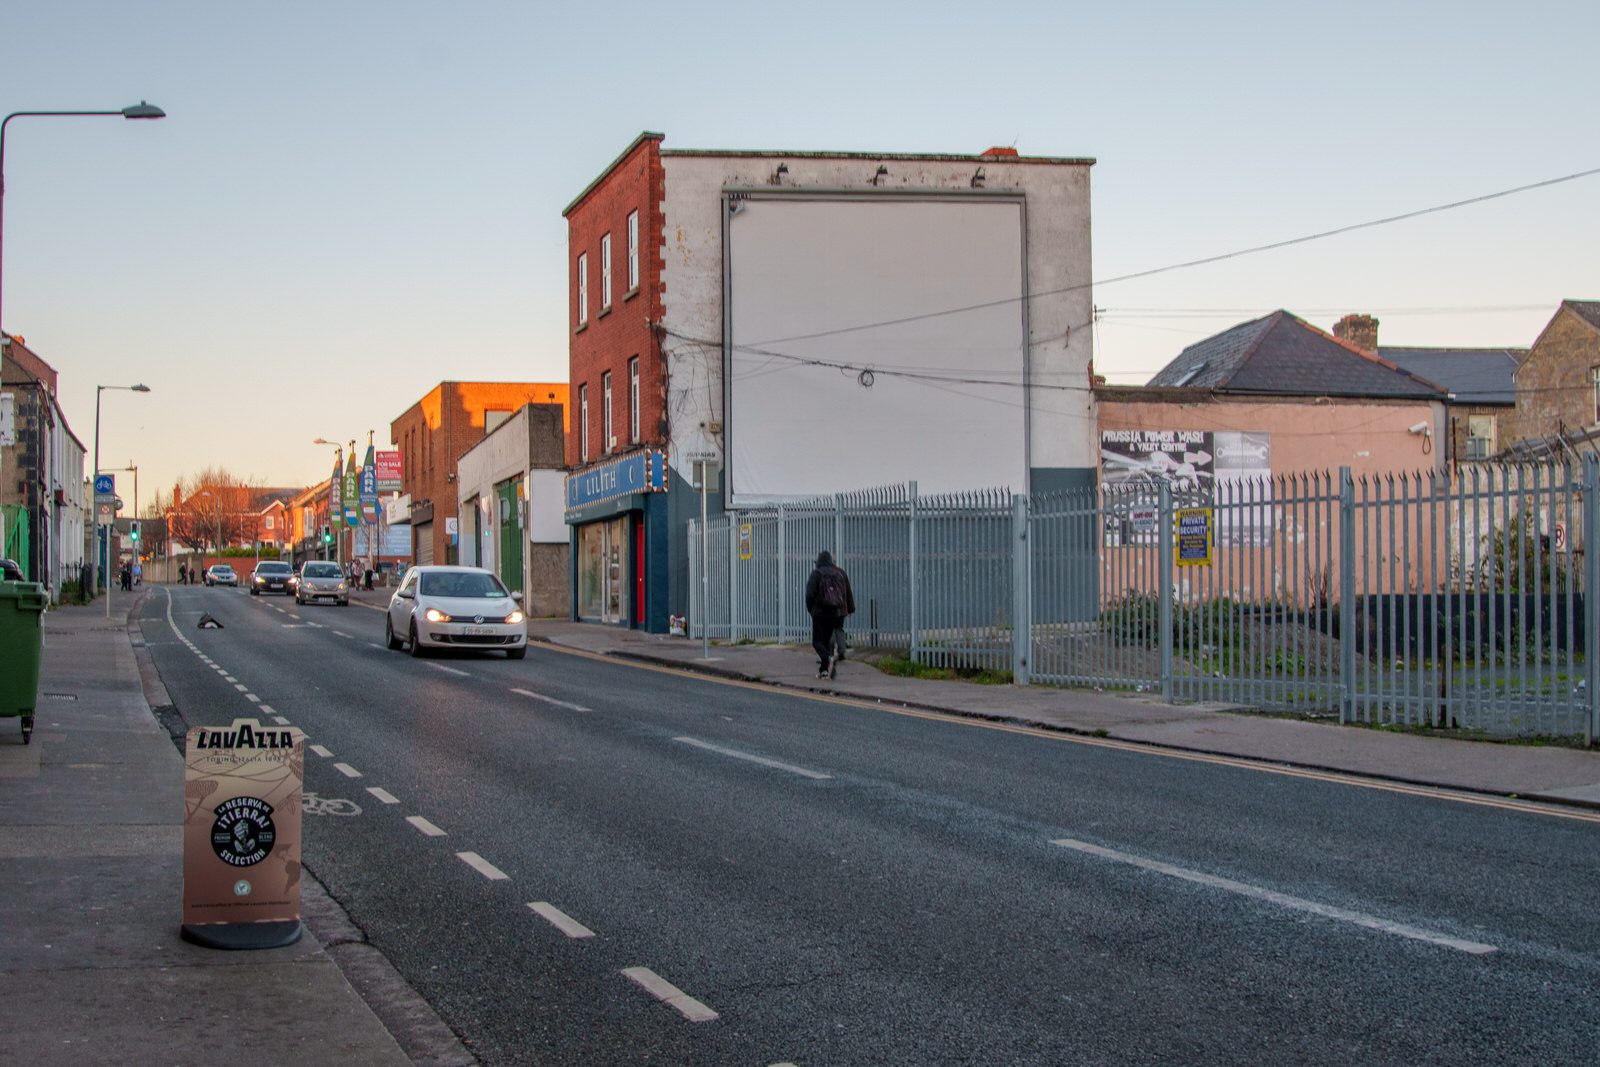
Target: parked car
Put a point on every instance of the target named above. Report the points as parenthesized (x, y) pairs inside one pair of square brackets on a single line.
[(271, 576), (455, 607), (221, 574), (321, 580)]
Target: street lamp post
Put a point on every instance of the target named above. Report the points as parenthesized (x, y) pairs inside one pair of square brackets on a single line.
[(93, 577), (141, 110)]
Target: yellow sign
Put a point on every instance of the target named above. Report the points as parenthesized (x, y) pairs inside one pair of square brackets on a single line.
[(1196, 530), (241, 835), (745, 535)]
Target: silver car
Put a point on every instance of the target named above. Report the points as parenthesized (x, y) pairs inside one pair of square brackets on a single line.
[(321, 580), (455, 607)]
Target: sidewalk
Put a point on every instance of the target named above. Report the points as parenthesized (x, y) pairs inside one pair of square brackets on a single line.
[(91, 876), (1557, 774)]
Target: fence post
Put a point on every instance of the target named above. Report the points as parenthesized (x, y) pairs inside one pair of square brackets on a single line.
[(733, 580), (1164, 567), (1591, 593), (838, 528), (1347, 596), (697, 595), (783, 580), (911, 554), (1021, 590)]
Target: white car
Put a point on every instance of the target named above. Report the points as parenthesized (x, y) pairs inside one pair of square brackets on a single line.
[(321, 580), (455, 607), (221, 574)]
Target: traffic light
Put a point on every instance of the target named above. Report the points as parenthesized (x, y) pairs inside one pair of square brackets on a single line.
[(133, 531), (327, 536)]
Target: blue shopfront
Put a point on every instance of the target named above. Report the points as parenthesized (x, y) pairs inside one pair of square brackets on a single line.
[(617, 515)]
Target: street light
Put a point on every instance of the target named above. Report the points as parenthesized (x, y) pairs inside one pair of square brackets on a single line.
[(141, 110), (94, 565)]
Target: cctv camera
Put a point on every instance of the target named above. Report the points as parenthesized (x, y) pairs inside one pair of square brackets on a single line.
[(1421, 427)]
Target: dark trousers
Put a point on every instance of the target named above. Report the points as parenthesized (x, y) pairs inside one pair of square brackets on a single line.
[(825, 631)]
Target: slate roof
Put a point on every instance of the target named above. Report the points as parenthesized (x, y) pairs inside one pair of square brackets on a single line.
[(1587, 310), (1473, 375), (1281, 355)]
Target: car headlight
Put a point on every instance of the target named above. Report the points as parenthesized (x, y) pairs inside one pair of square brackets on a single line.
[(435, 615), (340, 588), (515, 617)]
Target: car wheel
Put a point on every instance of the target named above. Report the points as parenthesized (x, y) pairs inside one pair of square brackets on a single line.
[(255, 592), (517, 653), (388, 634), (416, 645)]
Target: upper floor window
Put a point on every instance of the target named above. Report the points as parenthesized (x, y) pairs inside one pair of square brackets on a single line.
[(583, 288), (1594, 394), (607, 442), (605, 271), (633, 399), (583, 423), (633, 251)]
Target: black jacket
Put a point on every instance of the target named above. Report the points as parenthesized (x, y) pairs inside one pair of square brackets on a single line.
[(813, 592)]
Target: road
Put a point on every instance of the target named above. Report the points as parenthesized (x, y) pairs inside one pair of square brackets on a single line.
[(839, 884)]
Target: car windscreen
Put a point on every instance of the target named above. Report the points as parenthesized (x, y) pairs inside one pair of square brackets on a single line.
[(462, 584), (322, 570), (222, 568), (273, 568)]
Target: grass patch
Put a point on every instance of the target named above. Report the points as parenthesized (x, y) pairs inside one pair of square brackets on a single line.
[(904, 667)]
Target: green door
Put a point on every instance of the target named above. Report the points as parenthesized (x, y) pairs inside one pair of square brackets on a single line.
[(510, 535)]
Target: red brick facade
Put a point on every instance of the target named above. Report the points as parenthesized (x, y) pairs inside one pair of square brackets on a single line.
[(608, 338), (434, 432), (1558, 383)]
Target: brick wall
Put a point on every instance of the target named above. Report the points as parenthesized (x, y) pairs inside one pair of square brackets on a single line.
[(1553, 388), (435, 431), (612, 337)]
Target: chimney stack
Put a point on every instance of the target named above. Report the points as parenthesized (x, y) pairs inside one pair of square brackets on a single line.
[(1358, 330)]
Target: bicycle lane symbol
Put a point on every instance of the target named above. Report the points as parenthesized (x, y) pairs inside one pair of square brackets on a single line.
[(311, 804)]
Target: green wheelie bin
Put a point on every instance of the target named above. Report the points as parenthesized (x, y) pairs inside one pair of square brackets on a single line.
[(22, 607)]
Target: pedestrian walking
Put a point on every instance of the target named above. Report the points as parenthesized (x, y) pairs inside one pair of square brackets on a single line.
[(183, 574), (829, 602)]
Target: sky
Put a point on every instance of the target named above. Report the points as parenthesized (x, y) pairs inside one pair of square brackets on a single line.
[(349, 202)]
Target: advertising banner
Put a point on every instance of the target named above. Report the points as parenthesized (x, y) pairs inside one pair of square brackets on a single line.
[(336, 496), (241, 835), (1243, 468), (351, 492), (389, 471), (1226, 469)]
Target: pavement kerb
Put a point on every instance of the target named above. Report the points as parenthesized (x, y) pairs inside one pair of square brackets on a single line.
[(1059, 728)]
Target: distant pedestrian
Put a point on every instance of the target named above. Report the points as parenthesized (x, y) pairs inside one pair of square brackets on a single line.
[(183, 574), (829, 601)]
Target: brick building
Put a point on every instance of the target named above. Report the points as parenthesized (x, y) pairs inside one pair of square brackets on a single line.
[(434, 432), (917, 264), (1558, 383), (44, 508)]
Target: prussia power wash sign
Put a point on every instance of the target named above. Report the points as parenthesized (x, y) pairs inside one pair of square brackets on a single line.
[(241, 835)]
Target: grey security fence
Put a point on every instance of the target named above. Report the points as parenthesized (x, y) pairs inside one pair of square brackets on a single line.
[(1428, 599)]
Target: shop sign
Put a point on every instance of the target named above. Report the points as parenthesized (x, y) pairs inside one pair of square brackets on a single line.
[(637, 472)]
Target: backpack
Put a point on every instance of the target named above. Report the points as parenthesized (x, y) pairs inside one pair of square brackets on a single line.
[(831, 591)]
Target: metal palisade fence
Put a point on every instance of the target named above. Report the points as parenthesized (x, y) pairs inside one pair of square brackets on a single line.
[(1428, 599)]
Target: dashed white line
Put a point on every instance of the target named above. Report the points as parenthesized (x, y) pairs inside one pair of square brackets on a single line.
[(266, 709), (321, 750), (347, 770), (559, 919), (670, 994), (252, 698), (482, 866), (341, 633), (241, 687), (424, 825), (279, 719), (449, 670), (549, 700), (373, 644), (383, 794), (736, 754), (1371, 922)]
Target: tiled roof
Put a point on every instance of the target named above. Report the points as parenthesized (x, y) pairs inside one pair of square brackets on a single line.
[(1473, 375), (1587, 310), (1281, 355)]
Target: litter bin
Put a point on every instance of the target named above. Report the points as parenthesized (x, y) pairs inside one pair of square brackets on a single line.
[(22, 607)]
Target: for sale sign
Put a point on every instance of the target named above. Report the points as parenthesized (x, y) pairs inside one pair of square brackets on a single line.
[(389, 472), (241, 834)]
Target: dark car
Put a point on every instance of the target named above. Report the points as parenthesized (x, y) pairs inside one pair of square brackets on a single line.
[(272, 576)]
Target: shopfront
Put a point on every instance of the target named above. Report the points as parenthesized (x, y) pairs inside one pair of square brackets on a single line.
[(616, 512)]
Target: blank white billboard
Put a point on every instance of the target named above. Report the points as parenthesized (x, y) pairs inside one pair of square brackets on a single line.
[(849, 365)]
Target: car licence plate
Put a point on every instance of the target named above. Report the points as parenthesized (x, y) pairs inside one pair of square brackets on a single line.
[(478, 631)]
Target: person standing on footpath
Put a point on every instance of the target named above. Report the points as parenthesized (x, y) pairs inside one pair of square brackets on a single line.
[(830, 602)]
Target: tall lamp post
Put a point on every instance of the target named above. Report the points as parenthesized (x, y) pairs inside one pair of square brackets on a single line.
[(141, 110), (93, 577)]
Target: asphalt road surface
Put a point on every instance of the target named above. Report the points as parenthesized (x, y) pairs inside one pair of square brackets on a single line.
[(586, 862)]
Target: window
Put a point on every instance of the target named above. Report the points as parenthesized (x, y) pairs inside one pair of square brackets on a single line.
[(268, 522), (583, 288), (633, 256), (1594, 394), (605, 272), (633, 399), (492, 420), (583, 422), (607, 442), (1480, 436)]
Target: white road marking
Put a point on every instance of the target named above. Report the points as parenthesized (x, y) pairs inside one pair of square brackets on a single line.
[(347, 770), (321, 750), (226, 677), (267, 710), (241, 687), (1371, 922), (379, 647), (449, 670), (670, 994), (341, 633), (736, 754), (559, 919), (483, 866), (383, 794), (424, 825), (316, 625), (549, 700), (252, 698), (279, 719)]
